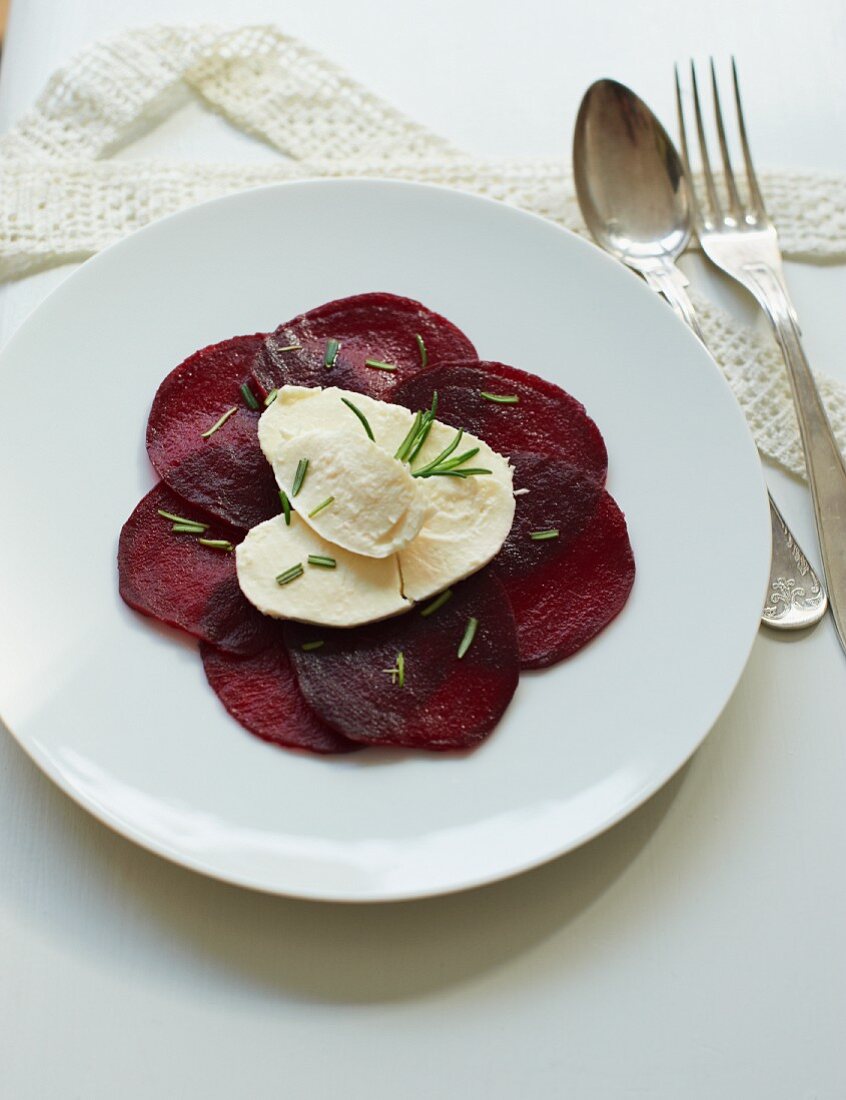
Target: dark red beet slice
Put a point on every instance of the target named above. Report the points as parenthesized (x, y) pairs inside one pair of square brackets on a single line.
[(445, 703), (175, 579), (226, 474), (546, 420), (261, 693), (564, 591), (367, 326), (559, 498)]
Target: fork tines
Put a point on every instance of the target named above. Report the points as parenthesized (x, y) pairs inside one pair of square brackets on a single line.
[(724, 205)]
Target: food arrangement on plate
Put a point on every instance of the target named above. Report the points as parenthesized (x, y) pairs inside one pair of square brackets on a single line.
[(370, 530)]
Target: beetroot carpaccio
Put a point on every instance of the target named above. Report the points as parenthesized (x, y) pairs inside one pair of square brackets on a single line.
[(440, 675)]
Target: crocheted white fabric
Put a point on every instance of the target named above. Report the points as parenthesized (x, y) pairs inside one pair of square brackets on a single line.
[(62, 199)]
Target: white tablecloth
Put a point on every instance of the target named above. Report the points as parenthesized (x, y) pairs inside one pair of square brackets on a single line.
[(694, 951)]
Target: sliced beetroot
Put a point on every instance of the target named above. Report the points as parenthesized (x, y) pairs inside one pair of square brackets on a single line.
[(445, 702), (551, 496), (260, 691), (564, 592), (376, 326), (226, 473), (175, 579), (546, 419)]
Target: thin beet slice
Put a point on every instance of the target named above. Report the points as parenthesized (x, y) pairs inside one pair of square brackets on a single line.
[(377, 326), (225, 473), (551, 496), (260, 692), (564, 592), (444, 703), (545, 419), (175, 579)]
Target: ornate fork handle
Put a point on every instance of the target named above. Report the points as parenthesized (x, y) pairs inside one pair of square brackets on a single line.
[(826, 471)]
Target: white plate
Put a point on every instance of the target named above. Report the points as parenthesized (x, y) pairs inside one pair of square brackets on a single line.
[(117, 711)]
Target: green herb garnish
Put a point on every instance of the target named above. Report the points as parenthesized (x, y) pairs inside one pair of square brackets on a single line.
[(271, 397), (437, 603), (405, 446), (249, 396), (425, 427), (361, 417), (541, 536), (188, 528), (397, 673), (181, 519), (501, 398), (322, 561), (378, 364), (421, 347), (320, 507), (469, 635), (299, 476), (290, 347), (430, 467), (286, 507), (309, 647), (331, 353), (291, 574), (216, 544), (474, 471), (221, 422)]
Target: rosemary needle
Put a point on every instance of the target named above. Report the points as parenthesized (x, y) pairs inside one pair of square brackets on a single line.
[(181, 519), (361, 417), (221, 422), (322, 560), (436, 604), (501, 398), (188, 528), (421, 347), (542, 536), (286, 507), (377, 364), (249, 397), (320, 507), (309, 647), (469, 635), (271, 397), (299, 476), (331, 353), (290, 574), (216, 544)]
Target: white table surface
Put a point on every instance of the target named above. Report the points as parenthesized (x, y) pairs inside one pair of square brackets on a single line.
[(696, 950)]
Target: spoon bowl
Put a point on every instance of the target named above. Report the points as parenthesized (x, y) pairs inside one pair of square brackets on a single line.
[(629, 178)]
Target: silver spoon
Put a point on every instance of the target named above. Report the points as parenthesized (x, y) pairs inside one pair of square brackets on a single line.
[(634, 198)]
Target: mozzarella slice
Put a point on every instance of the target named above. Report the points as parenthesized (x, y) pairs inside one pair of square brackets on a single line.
[(354, 493), (358, 590), (469, 518), (299, 409)]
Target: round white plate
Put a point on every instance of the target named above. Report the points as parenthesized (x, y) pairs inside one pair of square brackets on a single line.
[(117, 711)]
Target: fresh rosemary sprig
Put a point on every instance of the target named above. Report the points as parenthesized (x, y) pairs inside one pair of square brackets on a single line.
[(181, 519), (331, 353), (421, 347), (542, 536), (405, 446), (249, 397), (501, 398), (217, 544), (377, 364), (286, 507), (219, 424), (469, 635), (436, 604), (425, 427), (354, 408), (290, 574), (321, 560), (299, 476), (320, 507)]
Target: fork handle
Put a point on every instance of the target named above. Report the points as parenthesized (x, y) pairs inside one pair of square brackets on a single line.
[(824, 462)]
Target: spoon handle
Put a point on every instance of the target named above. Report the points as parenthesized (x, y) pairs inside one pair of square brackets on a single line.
[(796, 597)]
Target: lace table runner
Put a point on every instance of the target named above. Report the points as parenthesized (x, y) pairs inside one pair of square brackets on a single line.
[(62, 199)]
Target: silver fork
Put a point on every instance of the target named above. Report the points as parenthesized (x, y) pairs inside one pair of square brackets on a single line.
[(737, 235)]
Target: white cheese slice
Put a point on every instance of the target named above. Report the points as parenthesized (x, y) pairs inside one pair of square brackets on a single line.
[(354, 493), (299, 409), (358, 590), (469, 518)]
